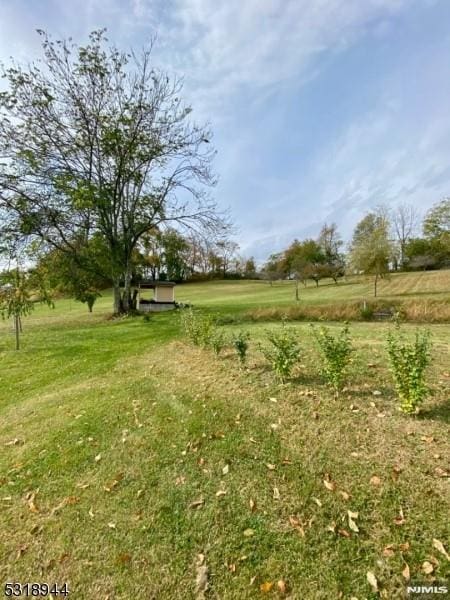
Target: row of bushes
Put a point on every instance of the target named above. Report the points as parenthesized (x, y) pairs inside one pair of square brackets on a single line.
[(408, 360)]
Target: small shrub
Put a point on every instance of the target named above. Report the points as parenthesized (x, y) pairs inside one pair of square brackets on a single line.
[(284, 351), (336, 352), (197, 328), (217, 341), (240, 344), (408, 362), (366, 312)]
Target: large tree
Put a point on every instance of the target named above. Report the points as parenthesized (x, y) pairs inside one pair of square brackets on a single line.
[(436, 229), (330, 243), (97, 141), (404, 223), (371, 249)]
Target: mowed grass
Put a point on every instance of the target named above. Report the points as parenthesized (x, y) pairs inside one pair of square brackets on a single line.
[(126, 453), (240, 295)]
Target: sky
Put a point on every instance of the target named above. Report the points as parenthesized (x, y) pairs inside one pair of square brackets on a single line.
[(321, 109)]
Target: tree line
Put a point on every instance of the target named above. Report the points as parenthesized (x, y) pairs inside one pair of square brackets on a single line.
[(384, 240)]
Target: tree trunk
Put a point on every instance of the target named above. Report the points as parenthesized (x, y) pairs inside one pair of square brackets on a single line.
[(117, 298), (296, 290), (126, 297), (375, 285), (134, 299), (17, 330)]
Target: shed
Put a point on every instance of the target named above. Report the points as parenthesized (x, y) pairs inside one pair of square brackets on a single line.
[(163, 296)]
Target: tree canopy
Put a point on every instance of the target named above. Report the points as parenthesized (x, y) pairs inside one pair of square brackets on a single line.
[(97, 144), (371, 249)]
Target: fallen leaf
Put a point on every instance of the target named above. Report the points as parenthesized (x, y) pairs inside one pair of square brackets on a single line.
[(276, 494), (296, 524), (281, 585), (318, 502), (114, 483), (91, 513), (15, 442), (30, 498), (197, 503), (112, 525), (21, 551), (139, 493), (271, 468), (427, 567), (65, 502), (252, 504), (249, 532), (332, 527), (396, 472), (375, 480), (406, 573), (98, 458), (124, 558), (220, 493), (439, 472), (388, 551), (344, 495), (427, 438), (440, 548), (376, 393), (180, 480), (226, 470), (351, 523), (372, 581), (404, 547), (232, 568), (401, 518), (344, 533), (330, 485), (266, 587), (201, 578)]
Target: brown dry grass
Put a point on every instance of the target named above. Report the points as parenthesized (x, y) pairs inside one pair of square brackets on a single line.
[(415, 311)]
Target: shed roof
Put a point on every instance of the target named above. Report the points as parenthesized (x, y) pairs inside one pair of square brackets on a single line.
[(151, 284)]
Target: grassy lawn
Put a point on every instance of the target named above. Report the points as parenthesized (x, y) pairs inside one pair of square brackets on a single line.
[(127, 453), (239, 295)]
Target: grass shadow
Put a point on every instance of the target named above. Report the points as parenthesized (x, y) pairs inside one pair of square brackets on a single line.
[(439, 412)]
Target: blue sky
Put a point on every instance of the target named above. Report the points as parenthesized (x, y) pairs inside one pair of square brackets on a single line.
[(321, 109)]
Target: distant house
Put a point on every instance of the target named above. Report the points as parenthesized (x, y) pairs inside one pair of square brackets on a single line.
[(163, 297)]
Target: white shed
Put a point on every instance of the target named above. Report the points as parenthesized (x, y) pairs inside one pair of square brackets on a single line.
[(163, 296)]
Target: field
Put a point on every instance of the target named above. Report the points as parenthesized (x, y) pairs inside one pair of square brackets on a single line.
[(134, 465)]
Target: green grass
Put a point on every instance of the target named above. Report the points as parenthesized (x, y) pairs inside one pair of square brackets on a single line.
[(164, 419), (242, 295)]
